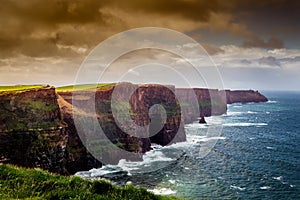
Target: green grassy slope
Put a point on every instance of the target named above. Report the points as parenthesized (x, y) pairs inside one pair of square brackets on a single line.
[(82, 87), (19, 87), (21, 183)]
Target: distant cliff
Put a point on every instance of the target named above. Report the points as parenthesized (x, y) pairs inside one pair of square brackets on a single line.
[(201, 102), (244, 96), (37, 127)]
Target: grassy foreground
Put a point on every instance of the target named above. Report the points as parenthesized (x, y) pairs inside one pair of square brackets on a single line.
[(22, 183)]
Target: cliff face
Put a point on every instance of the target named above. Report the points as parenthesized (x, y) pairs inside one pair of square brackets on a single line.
[(31, 130), (37, 127), (165, 123), (199, 102), (144, 129), (244, 96)]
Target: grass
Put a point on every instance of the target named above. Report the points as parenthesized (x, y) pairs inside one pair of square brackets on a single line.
[(22, 183), (81, 87), (19, 87)]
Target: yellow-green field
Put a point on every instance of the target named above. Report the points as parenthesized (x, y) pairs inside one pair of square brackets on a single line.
[(19, 87), (82, 87)]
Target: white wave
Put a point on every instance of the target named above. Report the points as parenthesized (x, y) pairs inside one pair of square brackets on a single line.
[(107, 169), (292, 186), (148, 158), (267, 112), (211, 138), (251, 112), (270, 147), (233, 113), (237, 187), (271, 101), (126, 167), (196, 126), (100, 172), (265, 187), (245, 124), (237, 106), (279, 178), (172, 181), (163, 191), (201, 138)]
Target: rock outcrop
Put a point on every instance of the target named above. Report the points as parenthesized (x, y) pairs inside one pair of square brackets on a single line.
[(244, 96)]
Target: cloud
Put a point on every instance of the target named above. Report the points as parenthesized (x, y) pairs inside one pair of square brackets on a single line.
[(40, 39), (240, 57), (272, 43), (270, 60), (85, 23), (212, 49)]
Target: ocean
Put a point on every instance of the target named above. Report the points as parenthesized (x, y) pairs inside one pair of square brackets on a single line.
[(256, 156)]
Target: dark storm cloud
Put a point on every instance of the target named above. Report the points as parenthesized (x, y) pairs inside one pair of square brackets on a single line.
[(34, 27), (191, 9), (41, 28)]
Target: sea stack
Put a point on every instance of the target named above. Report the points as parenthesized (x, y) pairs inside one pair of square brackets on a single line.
[(202, 120)]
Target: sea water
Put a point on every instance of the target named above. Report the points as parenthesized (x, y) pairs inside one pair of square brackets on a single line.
[(256, 156)]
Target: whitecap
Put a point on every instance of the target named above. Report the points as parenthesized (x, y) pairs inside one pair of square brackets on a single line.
[(196, 126), (233, 113), (172, 181), (100, 172), (270, 147), (211, 138), (245, 124), (279, 178), (148, 158), (271, 101), (107, 169), (251, 112), (237, 187), (200, 138), (163, 191), (237, 106), (265, 187)]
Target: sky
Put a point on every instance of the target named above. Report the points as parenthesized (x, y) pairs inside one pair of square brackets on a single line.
[(254, 44)]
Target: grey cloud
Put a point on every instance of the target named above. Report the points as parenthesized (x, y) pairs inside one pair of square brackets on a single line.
[(270, 43), (270, 60), (212, 49)]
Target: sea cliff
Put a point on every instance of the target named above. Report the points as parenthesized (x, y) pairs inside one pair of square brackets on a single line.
[(37, 127)]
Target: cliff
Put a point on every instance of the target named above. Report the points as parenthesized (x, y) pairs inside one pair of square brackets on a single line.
[(37, 127), (144, 128), (244, 96), (31, 130), (199, 102)]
